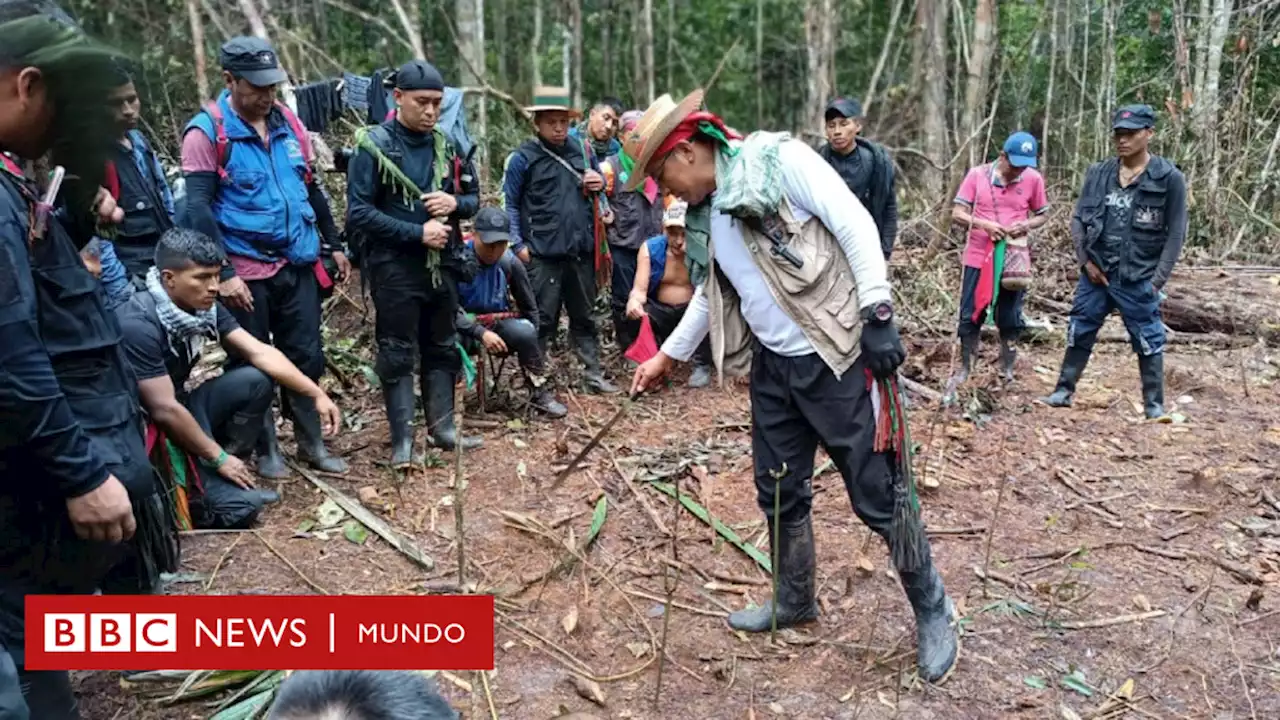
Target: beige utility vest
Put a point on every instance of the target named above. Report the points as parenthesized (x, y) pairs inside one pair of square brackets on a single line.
[(821, 297)]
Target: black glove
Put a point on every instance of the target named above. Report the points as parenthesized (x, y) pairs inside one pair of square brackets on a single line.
[(881, 344)]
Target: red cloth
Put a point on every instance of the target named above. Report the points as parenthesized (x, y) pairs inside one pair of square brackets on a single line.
[(985, 292), (645, 346), (689, 126), (112, 180)]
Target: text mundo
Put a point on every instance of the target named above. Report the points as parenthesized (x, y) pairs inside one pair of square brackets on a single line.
[(416, 633)]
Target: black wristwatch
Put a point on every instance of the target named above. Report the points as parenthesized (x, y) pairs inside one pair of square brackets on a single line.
[(881, 313)]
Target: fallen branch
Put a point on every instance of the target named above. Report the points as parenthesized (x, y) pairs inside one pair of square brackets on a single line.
[(725, 531), (923, 391), (407, 547), (292, 567), (676, 603), (1111, 621), (971, 530)]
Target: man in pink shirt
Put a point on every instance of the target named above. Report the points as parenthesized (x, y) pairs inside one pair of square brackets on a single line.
[(997, 201)]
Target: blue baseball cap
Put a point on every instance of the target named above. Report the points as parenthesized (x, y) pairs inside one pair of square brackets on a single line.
[(1021, 148)]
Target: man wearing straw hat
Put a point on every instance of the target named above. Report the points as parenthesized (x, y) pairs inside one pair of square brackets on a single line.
[(551, 187), (792, 289)]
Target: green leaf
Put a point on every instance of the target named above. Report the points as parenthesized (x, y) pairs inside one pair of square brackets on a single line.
[(329, 513), (1075, 681), (597, 520), (701, 513), (1035, 681), (355, 532), (370, 376), (515, 424)]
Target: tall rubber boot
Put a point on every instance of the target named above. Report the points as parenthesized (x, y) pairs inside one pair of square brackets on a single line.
[(270, 461), (242, 432), (968, 351), (1008, 355), (1151, 369), (795, 570), (701, 375), (438, 393), (398, 396), (1073, 364), (938, 643), (592, 377), (306, 430)]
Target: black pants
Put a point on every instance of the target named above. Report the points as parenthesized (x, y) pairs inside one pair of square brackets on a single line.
[(1008, 308), (229, 409), (664, 318), (624, 277), (569, 283), (286, 313), (521, 339), (413, 319), (137, 255), (797, 404)]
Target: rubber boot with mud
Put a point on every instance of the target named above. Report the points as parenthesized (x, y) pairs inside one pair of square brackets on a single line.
[(544, 402), (1008, 356), (398, 396), (937, 640), (307, 432), (1073, 364), (701, 376), (438, 393), (1151, 368), (968, 351), (795, 569), (270, 461), (589, 353)]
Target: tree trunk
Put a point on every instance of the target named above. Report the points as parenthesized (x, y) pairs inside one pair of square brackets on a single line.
[(1202, 50), (412, 29), (760, 64), (535, 48), (499, 15), (889, 34), (469, 20), (818, 35), (637, 50), (975, 96), (606, 52), (1084, 84), (671, 44), (931, 20), (646, 27), (256, 25), (575, 26), (1220, 26), (197, 49), (1048, 94)]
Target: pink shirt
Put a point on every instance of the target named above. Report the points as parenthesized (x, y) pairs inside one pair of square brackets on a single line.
[(984, 193), (200, 155)]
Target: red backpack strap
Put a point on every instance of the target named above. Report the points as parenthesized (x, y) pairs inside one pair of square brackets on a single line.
[(221, 144), (299, 132), (112, 180)]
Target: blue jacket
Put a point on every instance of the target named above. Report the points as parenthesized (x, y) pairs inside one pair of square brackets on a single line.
[(657, 262), (262, 207)]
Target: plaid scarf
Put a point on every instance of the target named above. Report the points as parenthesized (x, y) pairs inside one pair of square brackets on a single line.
[(181, 327)]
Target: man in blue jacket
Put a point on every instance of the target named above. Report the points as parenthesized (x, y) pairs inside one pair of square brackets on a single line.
[(550, 184), (1128, 227), (247, 164)]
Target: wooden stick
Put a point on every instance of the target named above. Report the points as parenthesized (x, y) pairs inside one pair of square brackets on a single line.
[(1111, 621), (676, 603), (459, 531), (971, 530), (293, 567), (670, 586), (1256, 618), (1168, 535), (221, 559), (1098, 501)]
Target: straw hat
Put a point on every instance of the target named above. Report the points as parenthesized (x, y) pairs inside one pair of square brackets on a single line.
[(548, 98), (657, 123)]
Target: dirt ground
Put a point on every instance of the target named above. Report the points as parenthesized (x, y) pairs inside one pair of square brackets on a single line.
[(1122, 551)]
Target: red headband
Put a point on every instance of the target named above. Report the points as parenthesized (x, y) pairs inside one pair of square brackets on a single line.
[(689, 127)]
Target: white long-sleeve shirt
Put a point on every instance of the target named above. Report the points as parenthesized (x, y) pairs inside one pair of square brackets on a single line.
[(814, 189)]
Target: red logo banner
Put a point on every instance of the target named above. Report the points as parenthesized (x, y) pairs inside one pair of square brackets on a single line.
[(259, 632)]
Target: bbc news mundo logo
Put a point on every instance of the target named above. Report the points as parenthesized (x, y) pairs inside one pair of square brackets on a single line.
[(111, 632)]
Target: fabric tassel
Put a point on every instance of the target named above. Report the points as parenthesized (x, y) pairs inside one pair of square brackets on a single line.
[(907, 540)]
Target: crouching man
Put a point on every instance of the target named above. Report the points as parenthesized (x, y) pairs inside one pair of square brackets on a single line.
[(220, 421), (487, 295), (662, 289), (787, 261)]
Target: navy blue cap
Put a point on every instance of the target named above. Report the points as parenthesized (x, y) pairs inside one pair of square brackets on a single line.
[(1022, 150), (844, 107), (419, 75), (1134, 117), (254, 60), (492, 226)]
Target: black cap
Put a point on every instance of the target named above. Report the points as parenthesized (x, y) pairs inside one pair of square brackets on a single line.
[(1134, 117), (254, 60), (844, 107), (419, 75), (492, 226)]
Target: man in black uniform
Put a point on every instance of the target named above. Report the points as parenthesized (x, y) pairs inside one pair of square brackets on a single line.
[(406, 191), (75, 483), (864, 166)]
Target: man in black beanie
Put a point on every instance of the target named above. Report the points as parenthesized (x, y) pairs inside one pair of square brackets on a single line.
[(406, 190)]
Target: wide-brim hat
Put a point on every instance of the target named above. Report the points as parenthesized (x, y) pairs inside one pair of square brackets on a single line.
[(552, 99), (662, 117)]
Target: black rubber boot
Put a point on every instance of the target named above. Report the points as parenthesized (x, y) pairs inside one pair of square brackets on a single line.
[(795, 570), (1008, 355), (592, 377), (438, 393), (968, 351), (270, 461), (1151, 368), (938, 643), (544, 402), (398, 396), (1073, 365), (306, 431)]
